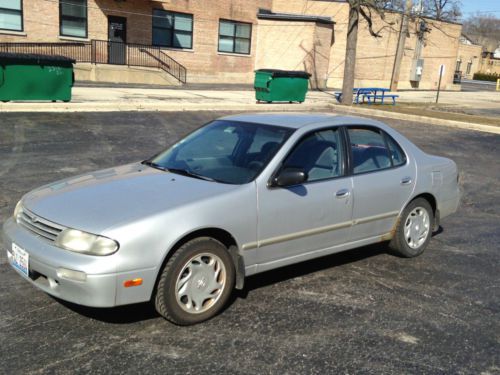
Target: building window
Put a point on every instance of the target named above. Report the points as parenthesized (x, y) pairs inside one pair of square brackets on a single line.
[(11, 15), (73, 18), (457, 67), (172, 29), (235, 37), (469, 67)]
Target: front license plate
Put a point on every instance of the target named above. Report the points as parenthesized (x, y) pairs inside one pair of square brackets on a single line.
[(21, 259)]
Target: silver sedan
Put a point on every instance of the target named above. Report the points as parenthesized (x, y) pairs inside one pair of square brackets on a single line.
[(241, 195)]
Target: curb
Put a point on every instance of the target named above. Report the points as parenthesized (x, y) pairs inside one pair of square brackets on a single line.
[(407, 117), (153, 107)]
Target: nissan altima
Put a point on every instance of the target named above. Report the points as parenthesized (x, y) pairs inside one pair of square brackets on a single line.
[(241, 195)]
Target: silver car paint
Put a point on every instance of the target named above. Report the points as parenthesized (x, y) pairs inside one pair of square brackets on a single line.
[(149, 211)]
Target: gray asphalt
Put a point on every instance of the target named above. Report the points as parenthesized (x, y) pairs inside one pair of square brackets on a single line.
[(362, 311), (472, 85)]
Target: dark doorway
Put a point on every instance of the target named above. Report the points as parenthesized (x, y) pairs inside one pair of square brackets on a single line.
[(117, 37)]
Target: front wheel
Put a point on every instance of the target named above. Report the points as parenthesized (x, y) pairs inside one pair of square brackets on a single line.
[(196, 282), (414, 229)]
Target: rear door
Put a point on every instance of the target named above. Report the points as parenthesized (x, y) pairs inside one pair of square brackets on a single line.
[(383, 181)]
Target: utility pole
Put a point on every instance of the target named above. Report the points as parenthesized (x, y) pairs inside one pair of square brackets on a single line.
[(401, 46)]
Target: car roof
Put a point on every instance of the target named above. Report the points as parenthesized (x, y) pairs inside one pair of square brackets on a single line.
[(296, 120)]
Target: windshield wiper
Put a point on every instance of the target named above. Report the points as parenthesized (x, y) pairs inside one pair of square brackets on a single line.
[(185, 172), (151, 164)]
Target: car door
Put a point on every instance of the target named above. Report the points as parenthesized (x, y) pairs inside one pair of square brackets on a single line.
[(314, 215), (383, 181)]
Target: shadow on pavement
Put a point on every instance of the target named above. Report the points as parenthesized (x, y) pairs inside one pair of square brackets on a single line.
[(117, 315), (145, 311), (311, 266)]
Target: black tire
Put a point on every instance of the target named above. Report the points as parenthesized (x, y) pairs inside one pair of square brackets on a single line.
[(400, 243), (166, 302)]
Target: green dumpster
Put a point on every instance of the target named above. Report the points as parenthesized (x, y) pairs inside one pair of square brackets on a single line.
[(35, 77), (272, 85)]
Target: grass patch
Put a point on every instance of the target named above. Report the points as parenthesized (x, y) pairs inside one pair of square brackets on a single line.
[(424, 109)]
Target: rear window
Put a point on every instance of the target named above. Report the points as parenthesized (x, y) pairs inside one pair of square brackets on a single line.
[(397, 155), (369, 150)]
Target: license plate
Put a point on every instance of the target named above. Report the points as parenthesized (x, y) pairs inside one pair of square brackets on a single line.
[(20, 259)]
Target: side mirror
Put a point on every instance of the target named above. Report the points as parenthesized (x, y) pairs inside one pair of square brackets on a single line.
[(289, 177)]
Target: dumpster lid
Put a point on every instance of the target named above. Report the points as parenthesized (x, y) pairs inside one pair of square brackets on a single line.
[(277, 73), (34, 58)]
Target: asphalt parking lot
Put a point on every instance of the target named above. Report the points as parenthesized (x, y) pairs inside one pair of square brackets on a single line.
[(362, 311)]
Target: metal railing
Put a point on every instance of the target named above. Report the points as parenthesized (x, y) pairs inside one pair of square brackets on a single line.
[(106, 52)]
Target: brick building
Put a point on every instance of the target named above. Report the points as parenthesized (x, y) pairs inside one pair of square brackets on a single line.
[(469, 57), (224, 40), (489, 63)]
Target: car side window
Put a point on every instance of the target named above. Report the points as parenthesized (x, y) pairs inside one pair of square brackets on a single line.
[(397, 155), (319, 154), (369, 150), (264, 138)]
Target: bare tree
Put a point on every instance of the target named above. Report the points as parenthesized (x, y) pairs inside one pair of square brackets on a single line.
[(447, 10), (358, 9), (484, 30), (442, 10)]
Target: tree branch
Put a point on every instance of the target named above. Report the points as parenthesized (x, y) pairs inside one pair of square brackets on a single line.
[(368, 18)]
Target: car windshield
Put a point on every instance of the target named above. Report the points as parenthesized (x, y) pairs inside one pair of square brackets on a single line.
[(224, 151)]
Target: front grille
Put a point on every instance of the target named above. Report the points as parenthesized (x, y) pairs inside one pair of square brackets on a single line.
[(38, 225)]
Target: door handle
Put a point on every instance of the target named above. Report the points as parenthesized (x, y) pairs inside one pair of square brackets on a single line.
[(406, 181), (342, 193)]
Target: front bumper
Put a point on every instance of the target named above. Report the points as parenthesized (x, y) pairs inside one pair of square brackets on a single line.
[(99, 288)]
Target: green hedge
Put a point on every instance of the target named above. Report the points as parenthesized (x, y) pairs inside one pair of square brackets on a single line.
[(486, 76)]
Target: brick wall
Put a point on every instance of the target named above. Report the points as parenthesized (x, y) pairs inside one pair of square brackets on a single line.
[(490, 66), (441, 47), (375, 56), (292, 45), (203, 62), (314, 48), (469, 53)]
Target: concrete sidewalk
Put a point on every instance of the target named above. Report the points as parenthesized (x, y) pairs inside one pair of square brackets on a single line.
[(110, 99), (154, 99)]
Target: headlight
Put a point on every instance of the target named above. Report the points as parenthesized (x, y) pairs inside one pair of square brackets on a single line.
[(86, 243), (18, 210)]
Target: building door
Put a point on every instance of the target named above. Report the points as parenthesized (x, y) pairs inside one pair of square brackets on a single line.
[(117, 37)]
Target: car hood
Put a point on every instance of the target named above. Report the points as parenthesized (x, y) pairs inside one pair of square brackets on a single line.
[(99, 200)]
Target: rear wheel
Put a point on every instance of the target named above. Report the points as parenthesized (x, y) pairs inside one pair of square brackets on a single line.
[(196, 282), (414, 229)]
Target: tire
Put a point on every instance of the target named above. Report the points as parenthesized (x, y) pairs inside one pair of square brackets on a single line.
[(414, 229), (196, 267)]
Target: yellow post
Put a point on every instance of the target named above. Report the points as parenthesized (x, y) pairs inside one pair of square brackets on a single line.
[(498, 84)]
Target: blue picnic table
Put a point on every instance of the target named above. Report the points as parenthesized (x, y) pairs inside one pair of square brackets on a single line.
[(371, 94)]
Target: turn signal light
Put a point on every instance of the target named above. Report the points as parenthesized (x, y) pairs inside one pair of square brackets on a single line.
[(133, 282)]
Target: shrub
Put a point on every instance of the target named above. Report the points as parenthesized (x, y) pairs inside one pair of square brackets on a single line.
[(486, 76)]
